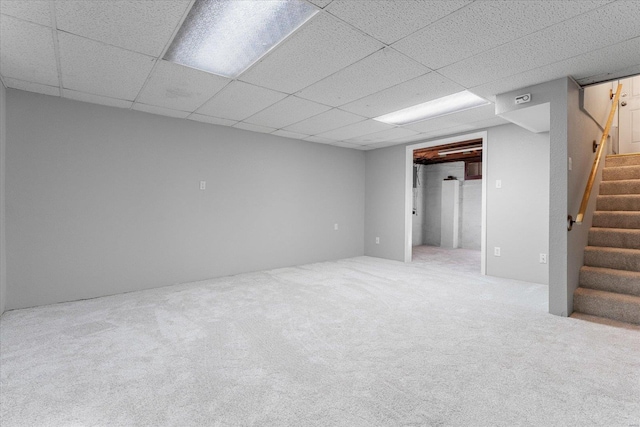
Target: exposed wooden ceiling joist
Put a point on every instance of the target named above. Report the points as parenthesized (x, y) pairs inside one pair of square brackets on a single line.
[(467, 151)]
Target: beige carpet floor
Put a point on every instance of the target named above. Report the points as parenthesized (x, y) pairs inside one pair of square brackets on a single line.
[(356, 342)]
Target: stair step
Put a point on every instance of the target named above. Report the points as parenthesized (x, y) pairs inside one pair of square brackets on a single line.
[(615, 237), (622, 186), (619, 307), (622, 160), (621, 172), (616, 219), (615, 258), (609, 289), (607, 279), (604, 321), (618, 202)]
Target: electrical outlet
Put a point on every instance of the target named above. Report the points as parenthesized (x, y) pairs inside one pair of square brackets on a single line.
[(335, 226), (203, 185), (570, 163), (498, 183), (377, 240), (496, 251), (543, 258)]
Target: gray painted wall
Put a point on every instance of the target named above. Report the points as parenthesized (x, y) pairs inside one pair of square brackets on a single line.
[(581, 130), (571, 134), (595, 103), (517, 213), (3, 254), (103, 200), (554, 93), (471, 230), (384, 203)]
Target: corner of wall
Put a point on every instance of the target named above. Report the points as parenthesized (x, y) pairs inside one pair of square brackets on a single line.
[(556, 93), (581, 131), (3, 144)]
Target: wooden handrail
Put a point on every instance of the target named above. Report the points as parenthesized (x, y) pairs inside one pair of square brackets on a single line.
[(596, 162)]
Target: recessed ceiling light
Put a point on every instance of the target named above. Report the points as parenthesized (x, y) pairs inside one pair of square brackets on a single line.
[(457, 102), (225, 37)]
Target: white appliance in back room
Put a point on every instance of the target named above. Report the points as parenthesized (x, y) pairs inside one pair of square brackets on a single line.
[(450, 213)]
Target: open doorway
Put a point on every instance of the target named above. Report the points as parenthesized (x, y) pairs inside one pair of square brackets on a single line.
[(625, 131), (445, 171)]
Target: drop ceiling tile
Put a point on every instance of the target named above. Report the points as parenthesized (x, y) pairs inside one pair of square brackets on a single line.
[(96, 99), (455, 119), (93, 67), (292, 135), (492, 65), (610, 59), (357, 129), (389, 21), (385, 135), (484, 25), (180, 88), (465, 127), (321, 3), (32, 87), (580, 35), (321, 47), (141, 26), (414, 138), (529, 78), (254, 128), (160, 111), (240, 100), (438, 123), (374, 73), (382, 144), (27, 52), (37, 11), (440, 133), (212, 120), (602, 77), (595, 63), (416, 91), (455, 130), (324, 122), (286, 112), (343, 144)]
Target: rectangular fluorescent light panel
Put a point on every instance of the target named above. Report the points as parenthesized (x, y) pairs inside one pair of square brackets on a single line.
[(225, 37), (460, 150), (455, 103)]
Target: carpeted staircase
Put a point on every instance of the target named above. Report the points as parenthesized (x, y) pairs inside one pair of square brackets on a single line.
[(610, 279)]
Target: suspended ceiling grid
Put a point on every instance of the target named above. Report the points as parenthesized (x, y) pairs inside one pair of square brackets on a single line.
[(353, 61)]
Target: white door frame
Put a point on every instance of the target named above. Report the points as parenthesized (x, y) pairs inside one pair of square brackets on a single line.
[(408, 198)]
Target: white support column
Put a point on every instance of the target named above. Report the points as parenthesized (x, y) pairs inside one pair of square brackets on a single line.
[(450, 213)]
